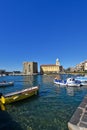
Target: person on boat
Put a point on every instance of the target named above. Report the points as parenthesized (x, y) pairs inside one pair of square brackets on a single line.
[(57, 78)]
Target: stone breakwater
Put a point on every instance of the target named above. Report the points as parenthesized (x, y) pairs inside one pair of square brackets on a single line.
[(79, 118)]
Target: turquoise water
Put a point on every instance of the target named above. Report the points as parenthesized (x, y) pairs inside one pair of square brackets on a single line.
[(50, 110)]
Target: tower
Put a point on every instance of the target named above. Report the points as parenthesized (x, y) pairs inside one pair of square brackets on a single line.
[(30, 68), (57, 62)]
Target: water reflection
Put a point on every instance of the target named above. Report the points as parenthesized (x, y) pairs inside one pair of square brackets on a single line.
[(70, 91), (2, 107), (6, 121), (46, 78), (29, 81)]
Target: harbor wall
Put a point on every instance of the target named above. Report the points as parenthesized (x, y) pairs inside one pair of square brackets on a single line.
[(79, 119)]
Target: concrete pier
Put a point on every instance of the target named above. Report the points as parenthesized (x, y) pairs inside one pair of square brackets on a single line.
[(79, 118)]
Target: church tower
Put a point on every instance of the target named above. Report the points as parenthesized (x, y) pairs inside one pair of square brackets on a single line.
[(57, 62)]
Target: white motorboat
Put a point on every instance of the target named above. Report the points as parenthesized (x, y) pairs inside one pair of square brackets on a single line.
[(82, 79), (71, 82), (60, 82)]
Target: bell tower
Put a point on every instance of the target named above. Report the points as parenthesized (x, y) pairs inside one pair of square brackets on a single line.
[(57, 62)]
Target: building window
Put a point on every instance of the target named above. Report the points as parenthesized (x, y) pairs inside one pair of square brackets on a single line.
[(29, 68)]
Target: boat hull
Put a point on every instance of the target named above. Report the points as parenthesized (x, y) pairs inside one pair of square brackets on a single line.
[(73, 85), (14, 97), (60, 83), (4, 84)]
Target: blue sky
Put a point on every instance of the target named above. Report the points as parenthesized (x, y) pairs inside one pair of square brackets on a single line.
[(41, 31)]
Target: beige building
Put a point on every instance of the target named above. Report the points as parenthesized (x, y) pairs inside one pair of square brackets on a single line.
[(30, 68), (51, 68), (85, 66)]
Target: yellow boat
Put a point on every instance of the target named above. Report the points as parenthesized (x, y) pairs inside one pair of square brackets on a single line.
[(19, 95)]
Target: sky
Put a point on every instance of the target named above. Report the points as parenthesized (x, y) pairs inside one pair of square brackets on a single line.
[(42, 31)]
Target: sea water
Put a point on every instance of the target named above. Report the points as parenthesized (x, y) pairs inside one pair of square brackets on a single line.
[(50, 110)]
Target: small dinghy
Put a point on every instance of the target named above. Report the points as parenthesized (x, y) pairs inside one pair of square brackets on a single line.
[(19, 95), (5, 83)]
